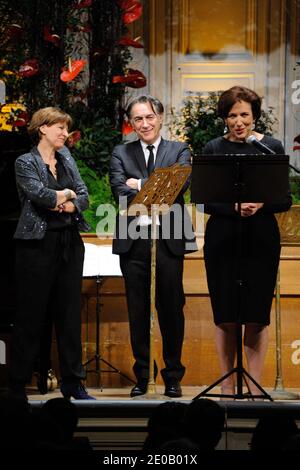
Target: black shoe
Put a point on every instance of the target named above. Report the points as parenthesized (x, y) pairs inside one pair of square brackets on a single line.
[(42, 383), (75, 390), (140, 388), (173, 388)]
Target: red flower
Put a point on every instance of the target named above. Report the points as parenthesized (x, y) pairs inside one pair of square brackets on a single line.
[(74, 137), (83, 4), (54, 38), (127, 128), (17, 117), (133, 13), (20, 119), (297, 139), (74, 68), (29, 68), (132, 10), (134, 79), (130, 42)]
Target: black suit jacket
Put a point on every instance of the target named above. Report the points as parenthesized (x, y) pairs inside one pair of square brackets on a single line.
[(128, 161)]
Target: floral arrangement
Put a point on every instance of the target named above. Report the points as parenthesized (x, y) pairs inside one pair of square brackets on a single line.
[(73, 54), (13, 116)]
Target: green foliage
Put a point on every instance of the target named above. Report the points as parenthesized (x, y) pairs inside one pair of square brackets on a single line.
[(198, 121), (187, 196), (99, 193), (295, 189), (95, 145), (266, 122)]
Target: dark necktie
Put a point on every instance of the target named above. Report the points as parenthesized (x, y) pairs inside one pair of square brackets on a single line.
[(150, 164)]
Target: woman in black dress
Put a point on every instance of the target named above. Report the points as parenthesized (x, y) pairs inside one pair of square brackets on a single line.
[(240, 108)]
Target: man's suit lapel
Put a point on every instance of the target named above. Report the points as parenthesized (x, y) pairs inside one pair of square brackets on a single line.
[(161, 152), (140, 158)]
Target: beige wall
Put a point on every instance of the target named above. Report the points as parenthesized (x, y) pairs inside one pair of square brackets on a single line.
[(208, 46)]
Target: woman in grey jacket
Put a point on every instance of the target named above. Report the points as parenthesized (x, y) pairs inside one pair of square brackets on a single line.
[(49, 253)]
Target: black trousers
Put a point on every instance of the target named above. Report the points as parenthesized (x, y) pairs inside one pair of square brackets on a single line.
[(136, 269), (49, 277)]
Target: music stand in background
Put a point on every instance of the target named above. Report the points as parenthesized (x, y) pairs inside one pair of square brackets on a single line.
[(237, 179), (99, 264)]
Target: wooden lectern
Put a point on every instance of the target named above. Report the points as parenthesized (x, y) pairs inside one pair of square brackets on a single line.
[(289, 226), (155, 198)]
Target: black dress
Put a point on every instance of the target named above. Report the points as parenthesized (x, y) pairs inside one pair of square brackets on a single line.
[(260, 249)]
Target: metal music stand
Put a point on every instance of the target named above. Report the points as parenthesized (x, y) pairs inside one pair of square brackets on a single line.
[(237, 179), (99, 264)]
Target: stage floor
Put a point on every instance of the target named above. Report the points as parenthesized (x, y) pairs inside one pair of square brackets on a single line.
[(188, 393), (114, 421)]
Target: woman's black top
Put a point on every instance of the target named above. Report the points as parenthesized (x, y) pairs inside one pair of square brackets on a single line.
[(242, 248)]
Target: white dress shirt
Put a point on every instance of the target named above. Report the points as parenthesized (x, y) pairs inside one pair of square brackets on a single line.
[(145, 220)]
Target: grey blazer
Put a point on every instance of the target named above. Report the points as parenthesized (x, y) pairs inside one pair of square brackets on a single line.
[(35, 196)]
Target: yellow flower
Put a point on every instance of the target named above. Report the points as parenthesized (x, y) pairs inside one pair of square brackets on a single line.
[(7, 115), (3, 125)]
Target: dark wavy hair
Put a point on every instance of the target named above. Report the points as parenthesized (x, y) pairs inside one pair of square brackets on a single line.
[(155, 104), (239, 93)]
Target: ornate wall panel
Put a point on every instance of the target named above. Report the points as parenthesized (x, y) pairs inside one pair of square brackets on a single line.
[(208, 46)]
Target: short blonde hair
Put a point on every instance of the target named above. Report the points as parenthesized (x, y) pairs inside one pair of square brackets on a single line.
[(46, 116)]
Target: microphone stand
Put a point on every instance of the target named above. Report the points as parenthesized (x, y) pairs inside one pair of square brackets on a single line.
[(252, 140), (237, 179), (294, 168)]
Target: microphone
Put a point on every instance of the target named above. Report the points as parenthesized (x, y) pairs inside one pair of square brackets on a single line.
[(252, 140)]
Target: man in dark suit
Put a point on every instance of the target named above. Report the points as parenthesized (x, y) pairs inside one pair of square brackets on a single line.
[(130, 166)]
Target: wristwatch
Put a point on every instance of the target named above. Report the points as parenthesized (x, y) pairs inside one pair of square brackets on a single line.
[(68, 194)]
